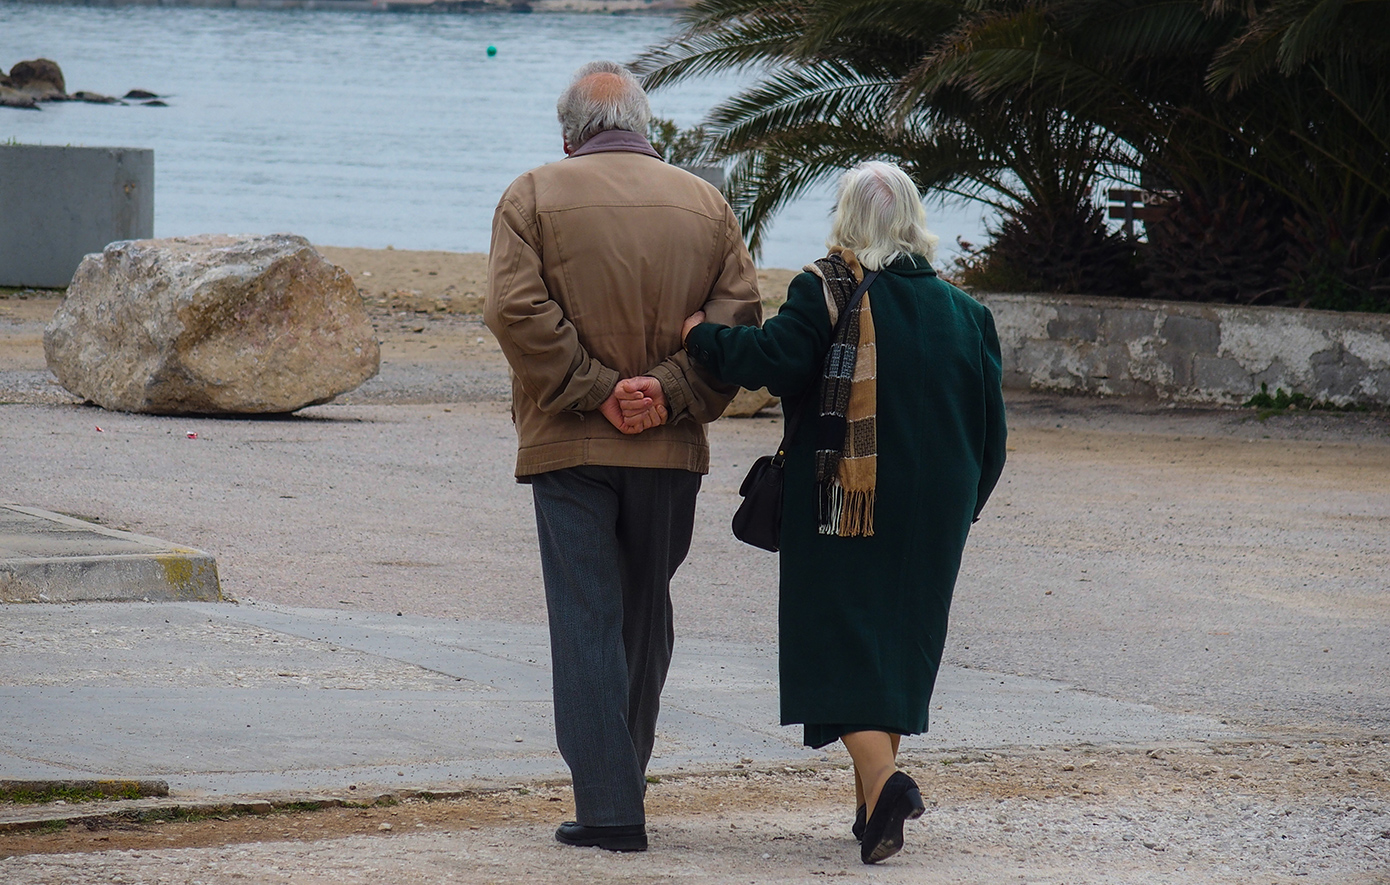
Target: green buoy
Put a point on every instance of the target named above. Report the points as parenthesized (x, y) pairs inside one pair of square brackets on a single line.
[(491, 51)]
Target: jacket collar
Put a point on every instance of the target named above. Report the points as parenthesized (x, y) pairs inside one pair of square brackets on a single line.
[(616, 140), (911, 265)]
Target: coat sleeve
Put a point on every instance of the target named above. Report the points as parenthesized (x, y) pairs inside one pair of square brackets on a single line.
[(692, 391), (540, 343), (996, 433), (784, 355)]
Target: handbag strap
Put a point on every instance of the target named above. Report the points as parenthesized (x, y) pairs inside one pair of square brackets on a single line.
[(793, 421)]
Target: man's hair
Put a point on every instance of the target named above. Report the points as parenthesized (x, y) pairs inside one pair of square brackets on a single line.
[(602, 95), (879, 215)]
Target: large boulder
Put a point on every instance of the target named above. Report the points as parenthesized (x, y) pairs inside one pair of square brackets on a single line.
[(748, 403), (211, 325), (41, 78)]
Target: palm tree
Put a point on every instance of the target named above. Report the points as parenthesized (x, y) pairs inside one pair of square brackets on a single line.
[(1293, 168), (831, 95), (1267, 121), (1336, 140)]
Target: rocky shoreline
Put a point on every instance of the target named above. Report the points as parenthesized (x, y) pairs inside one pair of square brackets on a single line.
[(30, 83)]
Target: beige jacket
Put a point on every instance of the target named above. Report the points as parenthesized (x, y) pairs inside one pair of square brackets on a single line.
[(596, 261)]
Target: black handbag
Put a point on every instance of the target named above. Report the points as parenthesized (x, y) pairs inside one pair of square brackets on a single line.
[(758, 520)]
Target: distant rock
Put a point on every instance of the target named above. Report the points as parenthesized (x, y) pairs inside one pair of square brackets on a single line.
[(95, 98), (211, 324), (41, 78), (31, 82), (13, 98)]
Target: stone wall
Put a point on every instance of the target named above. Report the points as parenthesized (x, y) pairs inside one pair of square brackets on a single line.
[(1196, 353)]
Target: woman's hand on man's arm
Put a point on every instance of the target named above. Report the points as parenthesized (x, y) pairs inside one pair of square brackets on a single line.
[(691, 322)]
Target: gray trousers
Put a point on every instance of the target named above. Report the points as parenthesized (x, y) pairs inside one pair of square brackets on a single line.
[(610, 539)]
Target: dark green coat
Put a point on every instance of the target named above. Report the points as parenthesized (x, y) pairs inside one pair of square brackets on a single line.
[(863, 620)]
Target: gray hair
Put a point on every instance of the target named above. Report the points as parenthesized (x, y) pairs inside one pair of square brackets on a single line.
[(602, 95), (879, 215)]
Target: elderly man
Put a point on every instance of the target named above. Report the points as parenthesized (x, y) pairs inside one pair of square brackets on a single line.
[(596, 261)]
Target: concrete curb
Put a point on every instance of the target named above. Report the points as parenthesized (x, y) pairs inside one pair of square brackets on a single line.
[(21, 819), (146, 810), (49, 557)]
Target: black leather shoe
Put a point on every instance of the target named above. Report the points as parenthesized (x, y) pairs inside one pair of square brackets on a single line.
[(898, 801), (860, 818), (630, 838)]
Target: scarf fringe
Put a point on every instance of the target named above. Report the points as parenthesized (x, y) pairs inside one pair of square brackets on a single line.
[(847, 514)]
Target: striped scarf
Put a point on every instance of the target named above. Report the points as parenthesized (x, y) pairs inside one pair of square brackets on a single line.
[(846, 432)]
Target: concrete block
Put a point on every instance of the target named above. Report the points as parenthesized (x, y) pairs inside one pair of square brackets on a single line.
[(1119, 324), (1051, 365), (1219, 374), (1074, 323), (1179, 362), (1192, 334), (1018, 318), (1375, 386), (48, 557), (58, 204), (1337, 376), (1108, 364), (1276, 375)]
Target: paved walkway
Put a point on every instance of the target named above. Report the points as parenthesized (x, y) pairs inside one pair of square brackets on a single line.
[(225, 700)]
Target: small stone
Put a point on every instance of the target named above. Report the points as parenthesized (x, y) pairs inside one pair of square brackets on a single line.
[(384, 827)]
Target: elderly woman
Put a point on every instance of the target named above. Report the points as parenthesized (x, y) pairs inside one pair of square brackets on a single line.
[(883, 478)]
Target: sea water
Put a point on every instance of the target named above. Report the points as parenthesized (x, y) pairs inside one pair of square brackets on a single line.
[(352, 129)]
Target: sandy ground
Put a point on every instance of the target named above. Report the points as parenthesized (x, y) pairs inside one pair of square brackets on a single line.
[(1197, 561), (452, 282), (1226, 813)]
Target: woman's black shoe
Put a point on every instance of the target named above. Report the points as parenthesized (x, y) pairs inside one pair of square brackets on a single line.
[(860, 818), (899, 800), (630, 838)]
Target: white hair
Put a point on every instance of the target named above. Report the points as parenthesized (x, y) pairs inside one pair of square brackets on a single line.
[(880, 217), (594, 104)]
